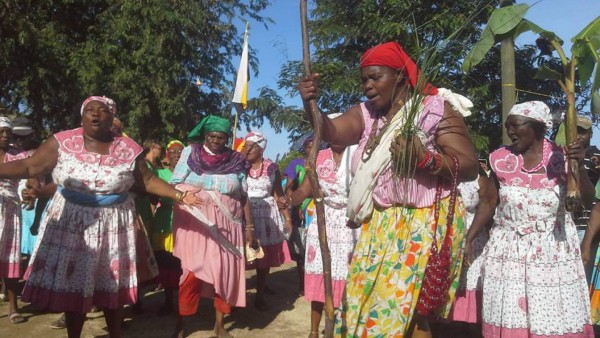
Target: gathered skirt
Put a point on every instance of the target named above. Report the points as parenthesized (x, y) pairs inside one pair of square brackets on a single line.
[(534, 285), (387, 269), (10, 238), (84, 257)]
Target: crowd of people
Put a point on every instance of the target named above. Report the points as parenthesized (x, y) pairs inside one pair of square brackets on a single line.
[(424, 241)]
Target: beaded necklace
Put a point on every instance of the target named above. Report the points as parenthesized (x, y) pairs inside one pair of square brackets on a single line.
[(259, 170), (546, 151), (374, 137)]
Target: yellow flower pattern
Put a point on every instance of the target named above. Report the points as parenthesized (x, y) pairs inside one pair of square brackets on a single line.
[(387, 269)]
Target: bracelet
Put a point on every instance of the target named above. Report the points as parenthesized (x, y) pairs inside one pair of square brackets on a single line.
[(180, 195), (250, 227), (427, 161), (438, 164)]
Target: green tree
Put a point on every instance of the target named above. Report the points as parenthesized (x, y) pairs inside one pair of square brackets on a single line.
[(342, 30), (144, 54)]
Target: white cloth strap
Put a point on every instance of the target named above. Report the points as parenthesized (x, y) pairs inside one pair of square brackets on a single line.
[(360, 200)]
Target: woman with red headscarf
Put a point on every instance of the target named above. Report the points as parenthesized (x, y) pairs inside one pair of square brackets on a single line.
[(413, 148)]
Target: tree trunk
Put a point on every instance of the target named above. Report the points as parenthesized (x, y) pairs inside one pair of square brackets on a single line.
[(507, 62)]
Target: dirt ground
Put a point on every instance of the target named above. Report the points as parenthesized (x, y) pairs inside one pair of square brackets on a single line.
[(289, 316)]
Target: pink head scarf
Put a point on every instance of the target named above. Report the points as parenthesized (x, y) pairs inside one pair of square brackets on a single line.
[(112, 106)]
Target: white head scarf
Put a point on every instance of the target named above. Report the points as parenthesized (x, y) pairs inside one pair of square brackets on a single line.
[(5, 122), (536, 110), (258, 138)]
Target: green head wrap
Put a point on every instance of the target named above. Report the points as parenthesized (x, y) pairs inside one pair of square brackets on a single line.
[(209, 124)]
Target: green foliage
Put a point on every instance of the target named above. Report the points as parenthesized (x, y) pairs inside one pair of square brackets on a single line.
[(270, 106), (342, 30), (585, 48), (483, 86), (546, 73), (144, 54), (504, 21)]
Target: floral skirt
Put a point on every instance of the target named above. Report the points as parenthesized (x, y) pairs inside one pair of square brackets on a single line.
[(10, 238), (387, 269), (87, 256), (534, 285)]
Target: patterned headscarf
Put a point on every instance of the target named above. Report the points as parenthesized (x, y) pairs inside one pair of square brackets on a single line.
[(536, 110), (5, 123), (112, 106), (209, 124), (258, 138), (391, 55)]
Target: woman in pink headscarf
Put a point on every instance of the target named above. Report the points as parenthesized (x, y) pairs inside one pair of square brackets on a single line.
[(403, 194), (269, 227), (534, 283), (86, 253)]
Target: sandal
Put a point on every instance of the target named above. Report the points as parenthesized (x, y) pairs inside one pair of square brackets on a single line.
[(16, 318), (313, 334)]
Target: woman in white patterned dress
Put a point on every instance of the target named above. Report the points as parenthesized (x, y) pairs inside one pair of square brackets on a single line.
[(10, 223), (86, 253), (332, 168), (269, 226), (534, 283)]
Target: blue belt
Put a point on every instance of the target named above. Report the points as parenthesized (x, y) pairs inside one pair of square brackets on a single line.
[(90, 200)]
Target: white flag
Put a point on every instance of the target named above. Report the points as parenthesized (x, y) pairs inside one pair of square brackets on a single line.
[(240, 96)]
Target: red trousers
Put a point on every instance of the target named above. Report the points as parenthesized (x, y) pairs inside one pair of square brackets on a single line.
[(189, 297)]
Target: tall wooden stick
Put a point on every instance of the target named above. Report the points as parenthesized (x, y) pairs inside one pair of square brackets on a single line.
[(314, 181)]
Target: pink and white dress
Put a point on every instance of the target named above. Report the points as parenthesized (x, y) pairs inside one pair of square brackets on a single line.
[(10, 222), (268, 224), (212, 248), (86, 255), (340, 238), (533, 278), (467, 302)]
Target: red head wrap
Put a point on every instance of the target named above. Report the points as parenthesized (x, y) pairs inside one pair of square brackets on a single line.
[(391, 55)]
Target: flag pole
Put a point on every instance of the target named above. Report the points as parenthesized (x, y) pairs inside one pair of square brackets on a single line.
[(241, 98)]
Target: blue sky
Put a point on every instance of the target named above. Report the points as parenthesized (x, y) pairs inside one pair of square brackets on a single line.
[(282, 42)]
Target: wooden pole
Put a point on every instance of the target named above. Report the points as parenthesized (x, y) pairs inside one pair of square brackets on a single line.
[(239, 105), (507, 62), (314, 181)]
